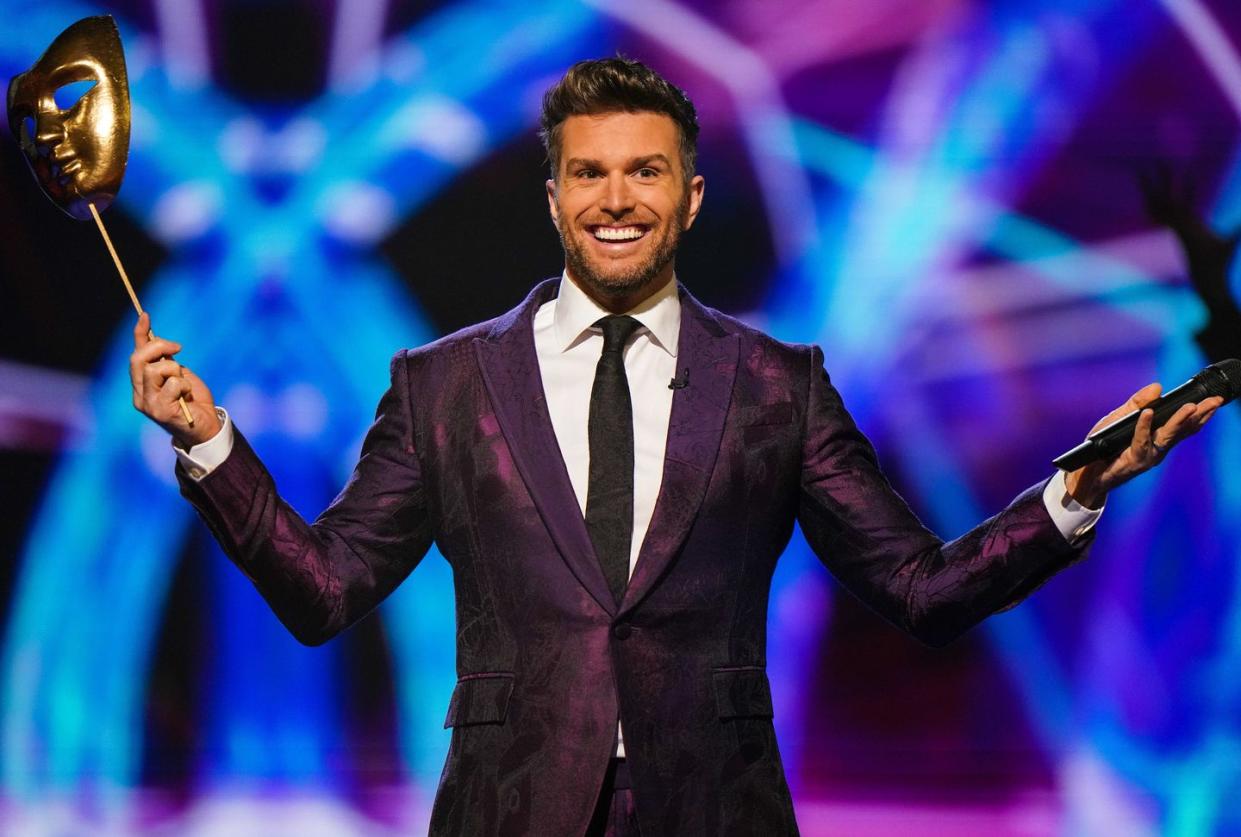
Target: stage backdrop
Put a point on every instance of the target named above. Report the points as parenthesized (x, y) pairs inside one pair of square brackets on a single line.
[(941, 193)]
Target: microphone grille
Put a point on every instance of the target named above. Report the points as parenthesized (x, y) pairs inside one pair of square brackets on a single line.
[(1227, 383)]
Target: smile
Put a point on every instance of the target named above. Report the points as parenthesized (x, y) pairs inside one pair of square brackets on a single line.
[(628, 233)]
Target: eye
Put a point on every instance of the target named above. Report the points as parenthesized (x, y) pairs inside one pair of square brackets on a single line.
[(68, 95), (647, 172), (587, 174)]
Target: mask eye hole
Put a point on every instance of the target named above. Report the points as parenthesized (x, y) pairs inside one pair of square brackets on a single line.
[(28, 126), (68, 95)]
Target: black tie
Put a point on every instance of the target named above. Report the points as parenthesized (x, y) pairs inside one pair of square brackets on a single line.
[(609, 493)]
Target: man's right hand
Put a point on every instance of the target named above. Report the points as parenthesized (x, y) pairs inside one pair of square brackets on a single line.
[(158, 382)]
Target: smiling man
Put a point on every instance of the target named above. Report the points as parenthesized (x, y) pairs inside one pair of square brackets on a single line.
[(612, 470), (622, 205)]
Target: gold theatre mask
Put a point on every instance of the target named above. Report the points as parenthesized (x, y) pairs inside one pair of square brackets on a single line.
[(77, 154)]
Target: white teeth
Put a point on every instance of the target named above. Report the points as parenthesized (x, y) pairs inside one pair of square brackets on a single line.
[(618, 233)]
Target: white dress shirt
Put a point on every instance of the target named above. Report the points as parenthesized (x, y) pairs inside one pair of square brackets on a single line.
[(568, 346)]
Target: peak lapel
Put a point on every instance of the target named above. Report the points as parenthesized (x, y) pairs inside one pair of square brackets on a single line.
[(710, 356), (510, 370)]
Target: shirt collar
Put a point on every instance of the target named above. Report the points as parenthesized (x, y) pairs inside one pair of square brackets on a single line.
[(576, 313)]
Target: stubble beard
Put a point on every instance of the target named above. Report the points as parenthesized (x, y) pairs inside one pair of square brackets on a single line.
[(637, 278)]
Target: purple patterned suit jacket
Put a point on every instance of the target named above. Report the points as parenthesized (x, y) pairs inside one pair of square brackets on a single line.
[(462, 452)]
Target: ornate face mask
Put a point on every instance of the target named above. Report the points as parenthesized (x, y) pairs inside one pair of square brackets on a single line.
[(77, 154)]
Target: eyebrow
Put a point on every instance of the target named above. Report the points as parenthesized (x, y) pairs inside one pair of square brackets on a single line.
[(636, 162)]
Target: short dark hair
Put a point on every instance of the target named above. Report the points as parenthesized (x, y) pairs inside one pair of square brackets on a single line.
[(614, 85)]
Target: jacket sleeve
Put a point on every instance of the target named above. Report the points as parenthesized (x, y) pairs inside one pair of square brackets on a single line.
[(871, 540), (320, 578)]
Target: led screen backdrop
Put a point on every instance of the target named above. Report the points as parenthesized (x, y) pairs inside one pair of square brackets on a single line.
[(943, 194)]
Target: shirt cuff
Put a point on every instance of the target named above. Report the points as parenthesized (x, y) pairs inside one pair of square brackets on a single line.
[(1072, 518), (202, 459)]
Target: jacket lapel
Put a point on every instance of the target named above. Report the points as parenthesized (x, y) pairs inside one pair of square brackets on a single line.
[(709, 354), (510, 370)]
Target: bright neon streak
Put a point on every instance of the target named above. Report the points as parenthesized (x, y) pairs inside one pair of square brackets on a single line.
[(183, 38), (356, 36), (1032, 247), (1212, 44)]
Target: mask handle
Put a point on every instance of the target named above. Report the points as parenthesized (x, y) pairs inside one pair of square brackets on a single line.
[(185, 409)]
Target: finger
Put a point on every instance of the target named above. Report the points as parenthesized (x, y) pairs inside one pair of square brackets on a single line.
[(141, 330), (1175, 428), (1204, 412), (1141, 442), (156, 349), (156, 375), (173, 389), (135, 373), (1205, 406), (142, 357)]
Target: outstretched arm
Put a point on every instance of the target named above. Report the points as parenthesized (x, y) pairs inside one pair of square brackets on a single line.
[(318, 578), (874, 544)]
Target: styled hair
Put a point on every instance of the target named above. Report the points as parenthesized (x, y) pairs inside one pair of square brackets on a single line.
[(616, 85)]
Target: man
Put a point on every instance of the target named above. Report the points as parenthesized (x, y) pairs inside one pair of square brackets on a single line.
[(612, 471)]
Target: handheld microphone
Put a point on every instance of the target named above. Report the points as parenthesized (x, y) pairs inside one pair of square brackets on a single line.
[(1222, 379)]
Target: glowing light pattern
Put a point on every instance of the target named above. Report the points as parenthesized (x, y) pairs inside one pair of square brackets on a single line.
[(285, 276), (938, 215), (984, 97)]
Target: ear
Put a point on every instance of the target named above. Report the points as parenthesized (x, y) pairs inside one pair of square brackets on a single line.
[(697, 186), (553, 206)]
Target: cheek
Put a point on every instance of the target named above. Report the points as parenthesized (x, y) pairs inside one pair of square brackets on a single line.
[(83, 129), (98, 139)]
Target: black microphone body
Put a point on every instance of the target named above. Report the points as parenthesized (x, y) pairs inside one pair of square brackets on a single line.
[(1222, 379)]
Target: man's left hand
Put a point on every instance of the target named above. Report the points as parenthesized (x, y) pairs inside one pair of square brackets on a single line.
[(1089, 485)]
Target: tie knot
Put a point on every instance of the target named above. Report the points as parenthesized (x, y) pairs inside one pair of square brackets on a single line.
[(617, 329)]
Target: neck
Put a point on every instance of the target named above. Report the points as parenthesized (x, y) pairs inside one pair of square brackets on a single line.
[(623, 301)]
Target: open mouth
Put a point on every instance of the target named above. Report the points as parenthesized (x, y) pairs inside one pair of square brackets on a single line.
[(618, 234)]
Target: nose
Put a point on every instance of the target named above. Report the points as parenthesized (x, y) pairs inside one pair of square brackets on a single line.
[(617, 200), (49, 128)]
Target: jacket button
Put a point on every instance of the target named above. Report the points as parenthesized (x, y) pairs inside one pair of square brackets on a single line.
[(622, 631)]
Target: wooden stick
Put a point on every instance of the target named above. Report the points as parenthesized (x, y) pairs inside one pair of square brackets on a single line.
[(185, 409)]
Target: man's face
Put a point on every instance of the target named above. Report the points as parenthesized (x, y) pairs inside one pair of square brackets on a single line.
[(77, 154), (620, 202)]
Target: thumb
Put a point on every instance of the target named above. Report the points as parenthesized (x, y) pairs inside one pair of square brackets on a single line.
[(1137, 401), (1144, 396)]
